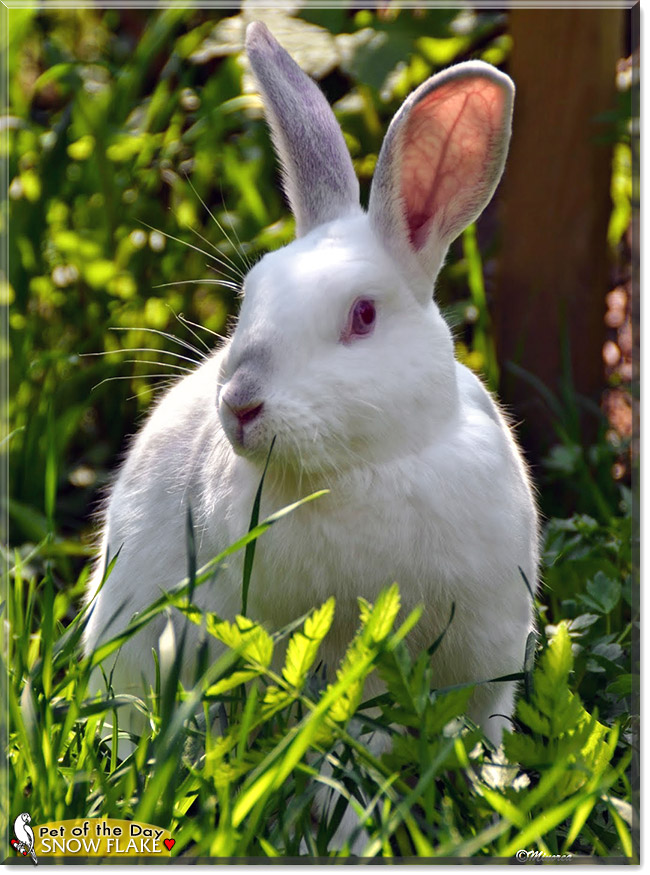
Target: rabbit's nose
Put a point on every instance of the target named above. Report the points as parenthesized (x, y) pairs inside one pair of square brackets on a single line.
[(241, 397), (240, 410), (245, 413)]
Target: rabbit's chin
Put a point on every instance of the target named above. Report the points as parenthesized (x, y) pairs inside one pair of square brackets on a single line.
[(250, 440), (291, 465)]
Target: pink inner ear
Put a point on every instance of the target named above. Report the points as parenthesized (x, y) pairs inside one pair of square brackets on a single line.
[(448, 156)]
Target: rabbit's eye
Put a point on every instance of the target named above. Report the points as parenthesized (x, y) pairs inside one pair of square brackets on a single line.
[(361, 320)]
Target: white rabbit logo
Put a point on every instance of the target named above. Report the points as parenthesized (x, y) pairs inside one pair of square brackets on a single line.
[(24, 841)]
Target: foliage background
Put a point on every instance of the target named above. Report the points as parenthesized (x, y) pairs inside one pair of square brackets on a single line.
[(141, 184)]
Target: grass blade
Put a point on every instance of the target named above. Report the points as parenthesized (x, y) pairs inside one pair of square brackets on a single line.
[(249, 554)]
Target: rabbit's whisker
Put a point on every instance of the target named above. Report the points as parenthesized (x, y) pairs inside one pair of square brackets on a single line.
[(239, 246), (220, 227), (227, 259), (369, 404), (226, 284), (129, 377), (167, 335), (160, 365), (176, 355), (189, 322), (192, 332), (147, 390), (189, 245)]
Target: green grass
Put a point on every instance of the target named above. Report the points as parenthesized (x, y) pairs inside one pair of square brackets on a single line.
[(245, 787)]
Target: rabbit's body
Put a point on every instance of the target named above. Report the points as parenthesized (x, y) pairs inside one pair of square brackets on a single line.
[(340, 354)]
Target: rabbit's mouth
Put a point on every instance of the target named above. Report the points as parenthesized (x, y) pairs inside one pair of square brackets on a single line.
[(243, 423)]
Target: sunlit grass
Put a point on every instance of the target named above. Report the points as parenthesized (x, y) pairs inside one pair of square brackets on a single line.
[(233, 764)]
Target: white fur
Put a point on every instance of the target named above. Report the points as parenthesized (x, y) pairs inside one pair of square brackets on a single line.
[(427, 486)]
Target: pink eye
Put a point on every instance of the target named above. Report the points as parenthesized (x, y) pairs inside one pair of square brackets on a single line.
[(361, 319)]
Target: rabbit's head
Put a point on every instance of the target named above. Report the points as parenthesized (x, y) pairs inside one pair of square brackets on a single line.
[(340, 351)]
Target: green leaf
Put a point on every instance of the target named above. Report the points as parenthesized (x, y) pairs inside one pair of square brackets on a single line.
[(579, 624), (623, 832), (523, 749), (442, 52), (604, 593), (236, 679), (564, 732), (395, 669), (557, 661), (436, 644), (303, 646), (82, 148), (535, 721), (380, 621), (268, 848), (246, 638), (249, 553), (603, 656), (445, 707), (371, 55), (529, 663), (125, 147), (98, 273), (275, 699), (621, 687)]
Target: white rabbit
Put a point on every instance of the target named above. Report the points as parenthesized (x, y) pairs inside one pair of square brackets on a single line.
[(341, 353)]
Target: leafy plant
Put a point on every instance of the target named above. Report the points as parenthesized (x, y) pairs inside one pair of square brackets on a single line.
[(246, 788)]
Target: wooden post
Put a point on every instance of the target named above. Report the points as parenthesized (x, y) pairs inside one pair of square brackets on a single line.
[(556, 205)]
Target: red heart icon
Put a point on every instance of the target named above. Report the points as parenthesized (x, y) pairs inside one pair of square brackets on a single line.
[(169, 843)]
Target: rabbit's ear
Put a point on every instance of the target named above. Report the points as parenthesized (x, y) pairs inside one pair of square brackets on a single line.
[(319, 178), (441, 161)]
